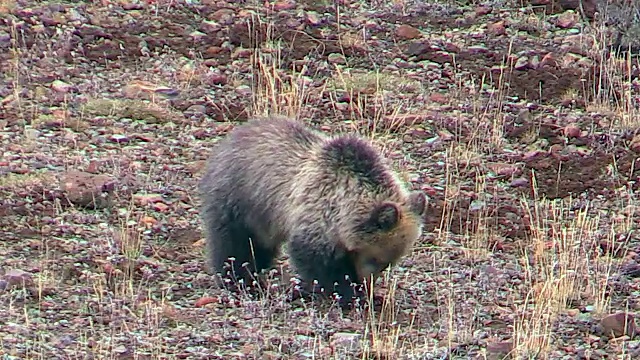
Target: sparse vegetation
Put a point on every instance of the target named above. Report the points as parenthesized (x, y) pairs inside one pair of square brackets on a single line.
[(520, 124)]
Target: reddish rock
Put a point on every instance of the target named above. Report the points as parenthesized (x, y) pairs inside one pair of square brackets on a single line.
[(217, 79), (502, 348), (284, 5), (618, 324), (635, 144), (205, 301), (17, 278), (407, 32), (572, 131), (438, 98), (497, 28), (87, 190), (223, 16), (567, 19), (548, 60), (483, 10)]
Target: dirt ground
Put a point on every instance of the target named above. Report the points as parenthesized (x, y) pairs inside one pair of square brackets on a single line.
[(517, 118)]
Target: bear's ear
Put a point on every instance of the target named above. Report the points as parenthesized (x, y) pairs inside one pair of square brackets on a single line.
[(417, 202), (385, 216)]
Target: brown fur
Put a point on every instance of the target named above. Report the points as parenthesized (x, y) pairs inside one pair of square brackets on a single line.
[(334, 201)]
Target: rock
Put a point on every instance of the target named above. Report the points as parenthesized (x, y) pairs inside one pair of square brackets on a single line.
[(572, 131), (418, 48), (483, 10), (243, 90), (216, 79), (534, 63), (618, 324), (119, 138), (407, 32), (160, 207), (439, 98), (567, 19), (498, 350), (241, 53), (146, 199), (635, 144), (205, 301), (497, 28), (284, 5), (16, 278), (519, 182), (336, 58), (588, 6), (348, 341), (548, 60), (210, 27), (196, 110), (521, 63), (61, 86), (223, 16), (313, 18), (87, 190)]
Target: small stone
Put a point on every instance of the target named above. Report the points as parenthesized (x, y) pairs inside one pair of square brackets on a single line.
[(160, 207), (635, 144), (119, 138), (619, 324), (203, 301), (336, 58), (241, 53), (407, 32), (548, 60), (483, 10), (86, 189), (519, 182), (347, 341), (567, 19), (438, 98), (497, 28), (217, 79), (521, 63), (61, 86), (572, 131), (284, 5), (243, 90), (313, 18), (195, 110), (17, 277), (145, 199), (535, 62), (210, 27), (223, 16), (501, 348)]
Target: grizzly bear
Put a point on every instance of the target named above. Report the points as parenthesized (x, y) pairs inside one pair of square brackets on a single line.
[(341, 210)]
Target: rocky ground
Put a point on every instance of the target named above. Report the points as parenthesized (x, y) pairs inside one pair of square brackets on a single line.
[(518, 118)]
